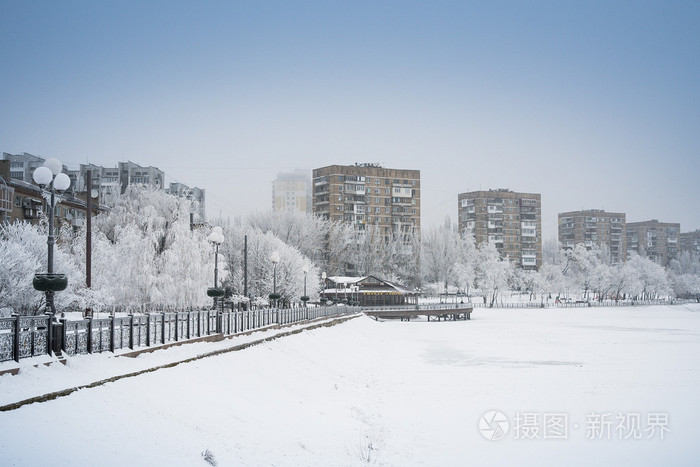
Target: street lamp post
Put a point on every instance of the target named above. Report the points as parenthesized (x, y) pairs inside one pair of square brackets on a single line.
[(305, 298), (323, 279), (275, 258), (50, 176), (216, 237)]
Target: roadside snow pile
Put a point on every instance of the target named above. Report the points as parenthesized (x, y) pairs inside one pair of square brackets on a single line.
[(612, 386)]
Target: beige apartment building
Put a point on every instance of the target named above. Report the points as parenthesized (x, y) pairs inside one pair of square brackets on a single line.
[(594, 227), (369, 194), (513, 221), (658, 241), (291, 192)]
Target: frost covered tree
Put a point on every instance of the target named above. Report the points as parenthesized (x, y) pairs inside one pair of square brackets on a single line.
[(305, 232), (369, 251), (146, 255), (290, 274), (339, 248), (397, 257), (529, 281), (551, 251), (465, 269), (684, 275), (552, 279), (23, 253), (652, 279), (440, 253), (602, 281), (493, 273), (580, 267), (624, 280)]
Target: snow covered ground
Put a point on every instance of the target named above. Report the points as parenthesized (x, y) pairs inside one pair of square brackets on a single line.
[(612, 386)]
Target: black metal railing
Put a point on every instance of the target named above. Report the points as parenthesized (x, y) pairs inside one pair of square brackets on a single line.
[(32, 336)]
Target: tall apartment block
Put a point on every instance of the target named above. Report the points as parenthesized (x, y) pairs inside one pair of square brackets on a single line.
[(594, 227), (658, 241), (690, 241), (291, 192), (513, 221), (368, 194)]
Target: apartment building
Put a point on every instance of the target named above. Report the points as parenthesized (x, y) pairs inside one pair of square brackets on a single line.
[(369, 194), (22, 201), (131, 173), (106, 185), (291, 192), (594, 227), (512, 221), (690, 241), (22, 166), (658, 241)]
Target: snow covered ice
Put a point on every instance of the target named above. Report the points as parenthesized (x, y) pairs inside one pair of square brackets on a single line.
[(386, 393)]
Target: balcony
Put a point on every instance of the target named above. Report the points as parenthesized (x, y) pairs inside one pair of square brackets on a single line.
[(354, 189)]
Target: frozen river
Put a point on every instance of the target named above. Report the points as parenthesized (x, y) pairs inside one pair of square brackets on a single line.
[(613, 386)]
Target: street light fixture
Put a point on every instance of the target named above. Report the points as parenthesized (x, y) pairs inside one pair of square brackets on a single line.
[(305, 297), (216, 237), (323, 278), (50, 177), (275, 258)]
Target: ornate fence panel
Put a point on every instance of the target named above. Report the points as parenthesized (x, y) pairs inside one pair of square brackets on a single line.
[(100, 335), (75, 337), (122, 333), (181, 320), (33, 336), (139, 331), (155, 329), (170, 327), (203, 324), (226, 322), (7, 339), (193, 320), (211, 325)]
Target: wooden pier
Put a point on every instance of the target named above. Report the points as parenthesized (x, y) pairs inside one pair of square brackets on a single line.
[(459, 312)]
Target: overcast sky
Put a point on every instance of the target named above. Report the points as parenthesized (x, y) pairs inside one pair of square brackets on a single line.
[(595, 105)]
